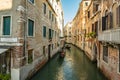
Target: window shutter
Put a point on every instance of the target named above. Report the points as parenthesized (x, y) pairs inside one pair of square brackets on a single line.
[(6, 25), (50, 35), (30, 28), (108, 21), (44, 8), (44, 31), (111, 20), (117, 15), (96, 28), (103, 23)]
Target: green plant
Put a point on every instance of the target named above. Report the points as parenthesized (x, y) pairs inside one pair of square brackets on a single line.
[(91, 35), (5, 76)]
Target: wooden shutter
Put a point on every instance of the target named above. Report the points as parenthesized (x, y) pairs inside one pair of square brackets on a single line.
[(110, 20), (96, 28), (103, 23), (50, 34), (118, 16)]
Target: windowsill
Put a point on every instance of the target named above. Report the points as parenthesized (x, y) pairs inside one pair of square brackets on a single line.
[(6, 36), (30, 36), (44, 37)]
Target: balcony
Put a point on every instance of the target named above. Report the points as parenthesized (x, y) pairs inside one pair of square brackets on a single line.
[(110, 36)]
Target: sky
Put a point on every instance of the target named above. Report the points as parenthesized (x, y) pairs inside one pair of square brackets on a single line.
[(70, 8)]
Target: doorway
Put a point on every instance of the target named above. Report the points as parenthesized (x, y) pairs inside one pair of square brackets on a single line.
[(95, 53), (5, 62)]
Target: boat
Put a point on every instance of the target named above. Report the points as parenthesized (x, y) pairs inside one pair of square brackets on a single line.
[(67, 46), (62, 54)]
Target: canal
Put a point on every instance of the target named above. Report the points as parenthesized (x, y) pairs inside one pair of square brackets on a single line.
[(75, 66)]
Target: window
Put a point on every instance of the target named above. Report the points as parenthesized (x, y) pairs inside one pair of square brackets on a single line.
[(6, 25), (30, 56), (49, 14), (32, 1), (30, 27), (106, 21), (50, 34), (92, 27), (44, 8), (105, 53), (110, 24), (103, 24), (86, 3), (55, 21), (88, 14), (52, 46), (97, 6), (52, 17), (96, 28), (43, 50), (55, 33), (44, 31)]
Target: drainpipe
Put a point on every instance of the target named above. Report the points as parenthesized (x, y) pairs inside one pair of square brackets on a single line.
[(25, 35)]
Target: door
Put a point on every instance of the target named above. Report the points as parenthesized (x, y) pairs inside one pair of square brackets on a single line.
[(49, 50), (119, 59)]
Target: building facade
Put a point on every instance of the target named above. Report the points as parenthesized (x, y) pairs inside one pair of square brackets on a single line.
[(96, 30), (78, 28), (29, 35), (109, 37), (67, 30), (93, 20)]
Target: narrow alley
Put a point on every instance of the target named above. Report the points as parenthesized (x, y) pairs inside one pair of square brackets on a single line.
[(75, 66)]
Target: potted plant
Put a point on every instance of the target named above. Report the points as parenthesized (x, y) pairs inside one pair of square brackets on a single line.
[(90, 36)]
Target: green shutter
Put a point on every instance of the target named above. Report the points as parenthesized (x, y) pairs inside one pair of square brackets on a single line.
[(32, 1), (30, 27), (6, 25)]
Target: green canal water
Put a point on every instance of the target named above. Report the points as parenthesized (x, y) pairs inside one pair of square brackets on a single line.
[(75, 66)]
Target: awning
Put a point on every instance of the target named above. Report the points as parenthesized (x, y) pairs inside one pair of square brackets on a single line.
[(3, 50)]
